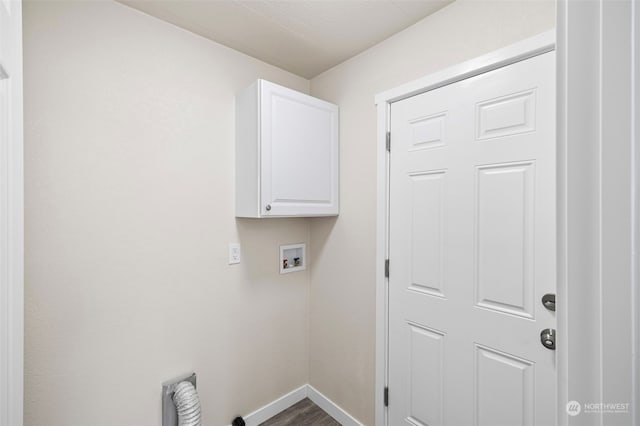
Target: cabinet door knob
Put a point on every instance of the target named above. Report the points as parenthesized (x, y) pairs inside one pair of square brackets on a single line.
[(268, 207)]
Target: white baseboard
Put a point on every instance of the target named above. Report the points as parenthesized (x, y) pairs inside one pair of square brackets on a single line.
[(341, 416), (306, 391), (265, 413)]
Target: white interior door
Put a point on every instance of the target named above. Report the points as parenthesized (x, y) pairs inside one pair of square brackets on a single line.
[(472, 251)]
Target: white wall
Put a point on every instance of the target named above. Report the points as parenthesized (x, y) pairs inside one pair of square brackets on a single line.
[(129, 208), (342, 295)]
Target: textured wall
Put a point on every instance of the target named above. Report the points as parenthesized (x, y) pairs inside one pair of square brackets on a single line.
[(342, 295), (129, 208), (129, 126)]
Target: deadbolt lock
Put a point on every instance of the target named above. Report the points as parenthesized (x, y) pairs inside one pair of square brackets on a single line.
[(548, 338), (549, 301)]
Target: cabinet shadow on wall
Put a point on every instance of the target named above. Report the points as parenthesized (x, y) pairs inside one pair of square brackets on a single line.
[(261, 239)]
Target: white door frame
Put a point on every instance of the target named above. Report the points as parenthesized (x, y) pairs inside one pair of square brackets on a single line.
[(598, 60), (11, 228), (528, 48), (598, 177)]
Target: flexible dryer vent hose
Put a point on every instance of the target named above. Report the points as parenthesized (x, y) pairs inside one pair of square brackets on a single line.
[(187, 404)]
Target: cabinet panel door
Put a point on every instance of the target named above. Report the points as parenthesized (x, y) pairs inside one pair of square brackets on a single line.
[(299, 166)]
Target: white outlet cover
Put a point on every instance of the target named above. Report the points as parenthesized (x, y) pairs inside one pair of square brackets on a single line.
[(234, 253)]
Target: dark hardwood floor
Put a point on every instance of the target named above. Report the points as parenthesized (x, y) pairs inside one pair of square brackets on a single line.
[(304, 413)]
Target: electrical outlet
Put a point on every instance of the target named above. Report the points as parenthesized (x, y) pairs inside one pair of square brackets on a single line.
[(234, 253)]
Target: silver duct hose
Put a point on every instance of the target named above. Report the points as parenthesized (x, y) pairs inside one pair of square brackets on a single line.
[(187, 404)]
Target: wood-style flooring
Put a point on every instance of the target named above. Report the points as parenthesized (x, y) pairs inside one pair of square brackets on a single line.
[(304, 413)]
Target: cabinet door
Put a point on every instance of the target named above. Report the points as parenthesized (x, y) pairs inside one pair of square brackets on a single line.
[(299, 158)]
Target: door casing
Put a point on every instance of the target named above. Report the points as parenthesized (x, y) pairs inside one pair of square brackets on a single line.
[(598, 182), (11, 215), (525, 49)]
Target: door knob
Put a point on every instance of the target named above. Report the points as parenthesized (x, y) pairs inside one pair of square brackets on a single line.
[(548, 338), (549, 301)]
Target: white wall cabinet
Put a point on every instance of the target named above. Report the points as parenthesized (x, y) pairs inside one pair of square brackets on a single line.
[(286, 153)]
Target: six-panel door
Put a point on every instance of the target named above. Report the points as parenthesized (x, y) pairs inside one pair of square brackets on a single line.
[(472, 251)]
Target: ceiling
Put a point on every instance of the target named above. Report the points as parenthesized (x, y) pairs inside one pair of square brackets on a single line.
[(305, 37)]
